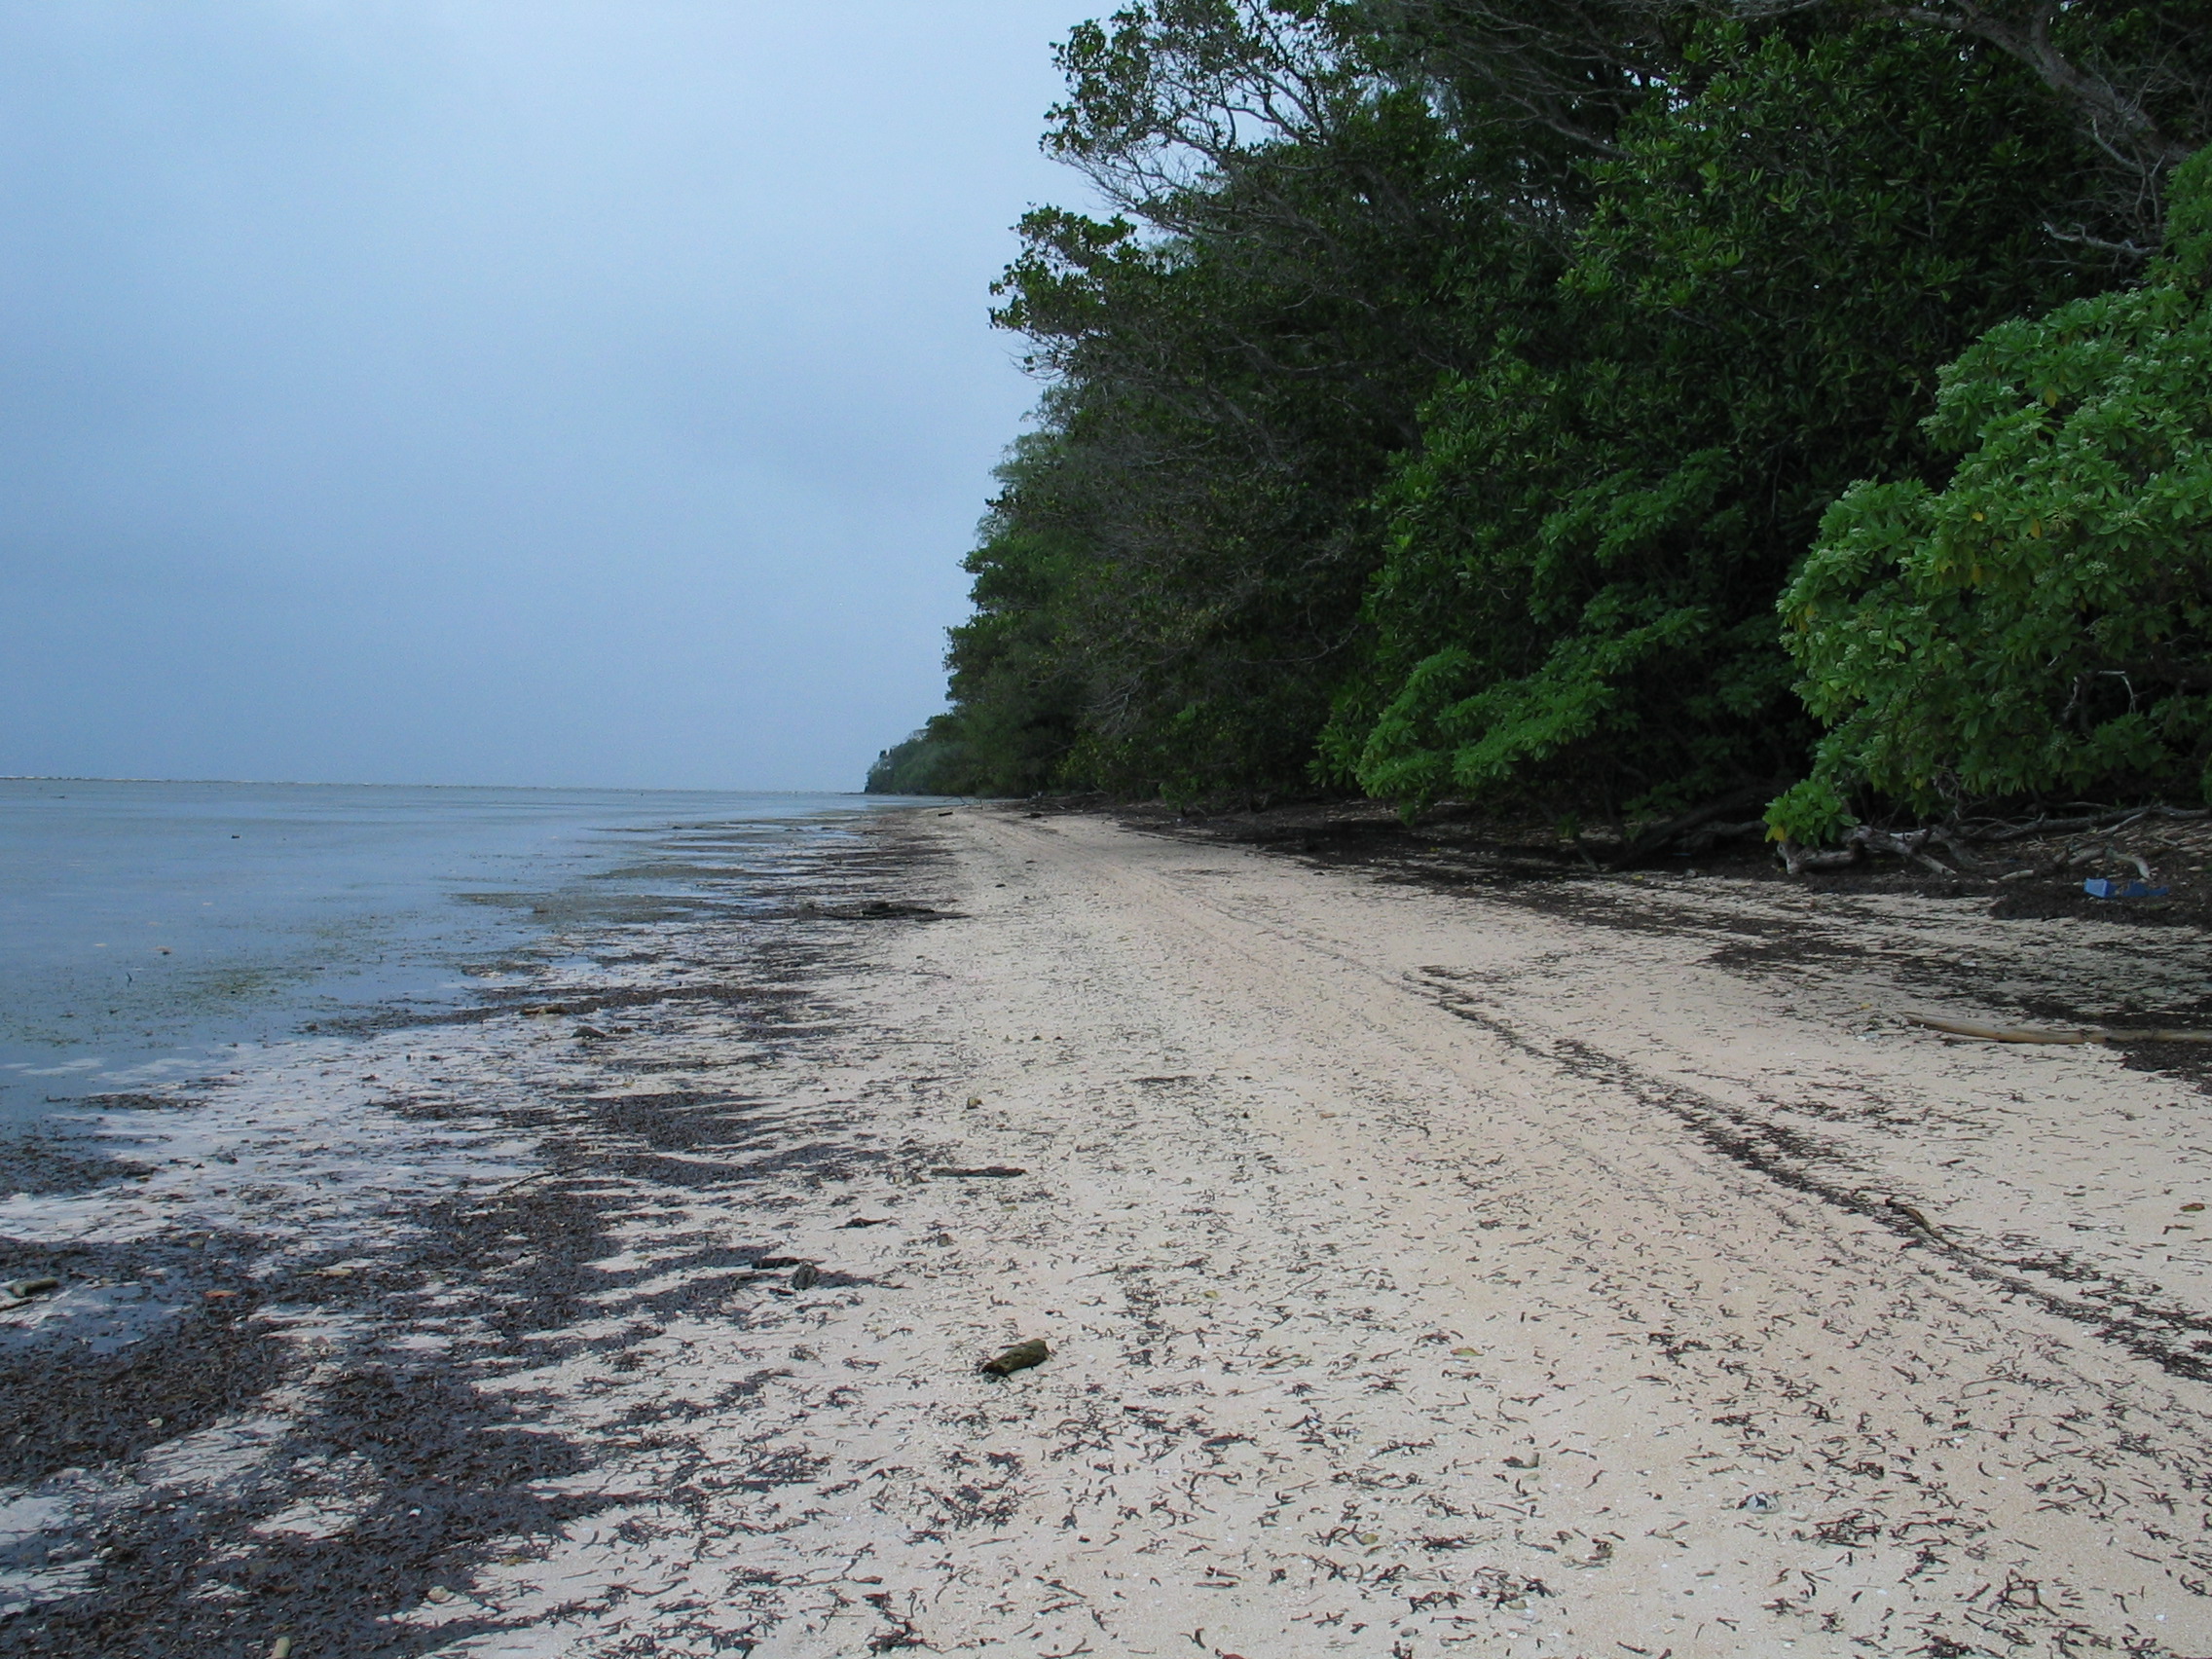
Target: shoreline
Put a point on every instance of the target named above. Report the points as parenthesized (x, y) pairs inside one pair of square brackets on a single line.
[(1427, 1264), (220, 1414), (162, 932)]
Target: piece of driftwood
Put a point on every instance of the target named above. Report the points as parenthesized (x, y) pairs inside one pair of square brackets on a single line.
[(1961, 854), (1991, 834), (1797, 860), (2071, 858), (1913, 1215), (1959, 841), (1865, 839), (1019, 1357), (2074, 1034), (986, 1172), (1914, 844)]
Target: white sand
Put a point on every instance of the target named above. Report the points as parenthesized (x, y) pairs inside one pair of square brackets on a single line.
[(1393, 1272), (1425, 1272)]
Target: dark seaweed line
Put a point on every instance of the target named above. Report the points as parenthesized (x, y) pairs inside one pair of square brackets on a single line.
[(1767, 1152), (452, 1465)]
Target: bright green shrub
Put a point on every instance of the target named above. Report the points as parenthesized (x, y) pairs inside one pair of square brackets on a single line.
[(2044, 622)]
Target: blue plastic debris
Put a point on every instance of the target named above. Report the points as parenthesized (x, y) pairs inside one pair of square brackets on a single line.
[(2098, 887)]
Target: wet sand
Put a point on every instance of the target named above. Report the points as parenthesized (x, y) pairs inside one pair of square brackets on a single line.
[(1513, 1268)]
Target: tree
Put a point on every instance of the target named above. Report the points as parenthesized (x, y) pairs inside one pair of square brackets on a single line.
[(2136, 80), (932, 761), (1577, 605), (1232, 363), (2042, 621), (1452, 385)]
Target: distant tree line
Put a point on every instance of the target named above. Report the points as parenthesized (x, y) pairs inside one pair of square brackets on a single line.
[(1603, 406)]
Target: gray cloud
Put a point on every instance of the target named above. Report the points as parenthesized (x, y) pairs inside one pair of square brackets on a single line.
[(525, 392)]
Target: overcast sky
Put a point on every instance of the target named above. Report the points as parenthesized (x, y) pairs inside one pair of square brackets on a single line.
[(538, 393)]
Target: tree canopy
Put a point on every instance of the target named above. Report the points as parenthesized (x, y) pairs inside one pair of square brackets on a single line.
[(1456, 384)]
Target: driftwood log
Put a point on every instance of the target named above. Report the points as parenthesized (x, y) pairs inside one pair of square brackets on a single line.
[(1992, 833), (1865, 839), (1959, 841), (2054, 1034), (1929, 846)]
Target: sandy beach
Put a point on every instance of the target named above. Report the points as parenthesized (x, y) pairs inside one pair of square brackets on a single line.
[(1571, 1268)]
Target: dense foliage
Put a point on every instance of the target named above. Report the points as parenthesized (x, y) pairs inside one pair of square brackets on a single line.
[(1584, 553), (1456, 384), (2045, 621)]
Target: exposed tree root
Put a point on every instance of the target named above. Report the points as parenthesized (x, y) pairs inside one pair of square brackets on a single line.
[(1697, 830)]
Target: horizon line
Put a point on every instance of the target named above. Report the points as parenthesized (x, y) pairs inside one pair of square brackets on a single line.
[(329, 784)]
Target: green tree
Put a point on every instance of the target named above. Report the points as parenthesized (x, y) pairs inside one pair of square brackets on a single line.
[(1231, 363), (1016, 684), (932, 762), (1451, 386), (1577, 603), (2044, 620)]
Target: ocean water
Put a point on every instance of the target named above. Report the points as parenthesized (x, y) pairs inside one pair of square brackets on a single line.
[(152, 931)]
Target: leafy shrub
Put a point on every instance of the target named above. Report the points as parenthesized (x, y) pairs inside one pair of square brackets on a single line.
[(2044, 622)]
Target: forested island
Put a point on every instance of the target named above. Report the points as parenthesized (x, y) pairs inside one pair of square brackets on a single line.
[(1603, 407)]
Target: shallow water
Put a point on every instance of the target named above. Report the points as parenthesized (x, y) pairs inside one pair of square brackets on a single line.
[(151, 931)]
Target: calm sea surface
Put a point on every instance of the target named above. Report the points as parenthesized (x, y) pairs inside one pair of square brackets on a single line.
[(149, 930)]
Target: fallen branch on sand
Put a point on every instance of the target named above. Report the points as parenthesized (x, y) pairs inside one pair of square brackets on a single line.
[(1865, 839), (1704, 828), (2054, 1034), (1960, 841), (1990, 834)]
